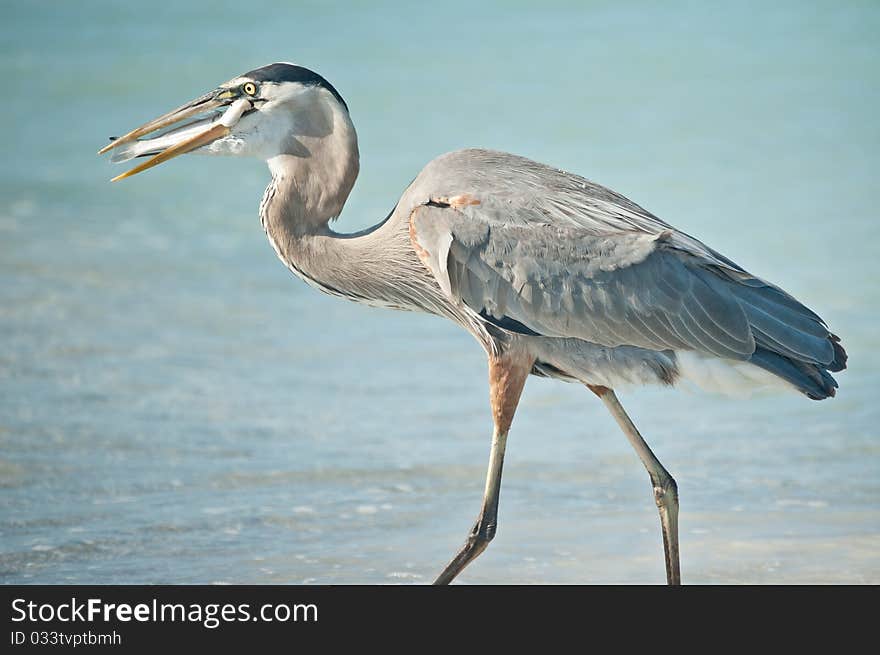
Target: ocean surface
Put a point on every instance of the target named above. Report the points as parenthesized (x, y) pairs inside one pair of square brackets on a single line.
[(176, 407)]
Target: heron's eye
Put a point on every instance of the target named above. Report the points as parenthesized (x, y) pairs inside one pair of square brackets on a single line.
[(249, 88)]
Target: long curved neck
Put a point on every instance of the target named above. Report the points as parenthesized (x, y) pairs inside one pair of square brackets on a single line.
[(347, 265), (308, 190)]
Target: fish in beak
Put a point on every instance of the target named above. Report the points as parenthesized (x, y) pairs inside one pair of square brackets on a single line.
[(185, 138)]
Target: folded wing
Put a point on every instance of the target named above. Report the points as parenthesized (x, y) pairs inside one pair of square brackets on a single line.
[(661, 290)]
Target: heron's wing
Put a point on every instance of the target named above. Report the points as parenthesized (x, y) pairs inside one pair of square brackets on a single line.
[(517, 191), (615, 288)]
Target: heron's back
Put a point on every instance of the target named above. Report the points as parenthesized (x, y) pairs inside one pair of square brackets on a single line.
[(544, 254)]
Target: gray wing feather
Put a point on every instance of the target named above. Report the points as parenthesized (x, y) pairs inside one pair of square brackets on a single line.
[(613, 290), (566, 257), (778, 321), (619, 289)]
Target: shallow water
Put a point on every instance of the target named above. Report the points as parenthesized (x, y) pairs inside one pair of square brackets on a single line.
[(175, 407)]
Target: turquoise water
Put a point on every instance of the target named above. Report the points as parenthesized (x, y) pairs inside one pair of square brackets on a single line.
[(175, 407)]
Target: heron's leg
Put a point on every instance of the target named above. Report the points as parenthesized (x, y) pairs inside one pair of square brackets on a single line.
[(665, 489), (507, 376)]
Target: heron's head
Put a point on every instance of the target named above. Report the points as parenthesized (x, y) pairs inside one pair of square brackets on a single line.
[(284, 114)]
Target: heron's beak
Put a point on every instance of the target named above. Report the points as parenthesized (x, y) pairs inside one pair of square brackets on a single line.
[(185, 138)]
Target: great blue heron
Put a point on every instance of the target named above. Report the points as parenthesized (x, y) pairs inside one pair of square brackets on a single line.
[(554, 275)]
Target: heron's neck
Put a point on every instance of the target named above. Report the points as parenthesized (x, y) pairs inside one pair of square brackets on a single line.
[(353, 266)]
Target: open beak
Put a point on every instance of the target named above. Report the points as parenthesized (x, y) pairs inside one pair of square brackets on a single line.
[(183, 139)]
